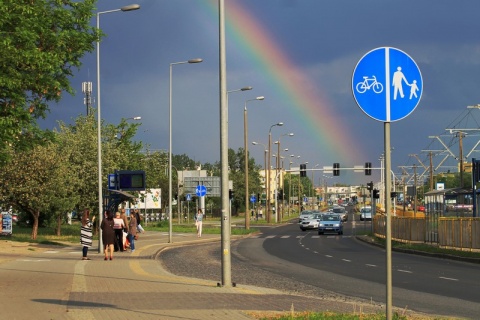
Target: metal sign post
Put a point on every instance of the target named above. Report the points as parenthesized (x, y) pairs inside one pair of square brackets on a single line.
[(378, 84)]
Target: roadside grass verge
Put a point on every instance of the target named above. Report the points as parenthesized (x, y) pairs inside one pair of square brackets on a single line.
[(334, 316)]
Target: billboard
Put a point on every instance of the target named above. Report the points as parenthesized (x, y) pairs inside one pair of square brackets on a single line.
[(150, 199)]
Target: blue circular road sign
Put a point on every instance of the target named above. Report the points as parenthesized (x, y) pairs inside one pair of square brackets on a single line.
[(387, 84), (253, 199), (201, 191)]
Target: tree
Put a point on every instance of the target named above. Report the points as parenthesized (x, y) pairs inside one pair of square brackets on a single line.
[(41, 44), (35, 181)]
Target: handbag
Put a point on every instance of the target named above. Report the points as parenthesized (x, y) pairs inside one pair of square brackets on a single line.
[(136, 237)]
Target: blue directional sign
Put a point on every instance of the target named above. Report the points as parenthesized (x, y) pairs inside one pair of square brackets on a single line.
[(387, 84), (253, 199), (201, 191), (189, 197)]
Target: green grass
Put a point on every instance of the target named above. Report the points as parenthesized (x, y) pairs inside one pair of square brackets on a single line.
[(332, 316)]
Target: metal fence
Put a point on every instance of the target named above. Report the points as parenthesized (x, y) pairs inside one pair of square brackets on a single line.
[(457, 233)]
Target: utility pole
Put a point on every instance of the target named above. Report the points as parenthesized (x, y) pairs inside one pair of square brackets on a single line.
[(431, 170), (460, 156)]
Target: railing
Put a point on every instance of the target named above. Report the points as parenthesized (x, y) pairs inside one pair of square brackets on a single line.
[(456, 233)]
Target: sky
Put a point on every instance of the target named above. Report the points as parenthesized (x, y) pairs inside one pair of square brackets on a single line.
[(300, 55)]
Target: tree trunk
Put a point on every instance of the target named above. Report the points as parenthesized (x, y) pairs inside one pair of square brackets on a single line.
[(35, 215), (59, 224)]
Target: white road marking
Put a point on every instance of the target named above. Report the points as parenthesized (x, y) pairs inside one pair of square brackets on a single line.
[(371, 265), (34, 260), (346, 260), (328, 256), (270, 237), (451, 279), (404, 271), (285, 237)]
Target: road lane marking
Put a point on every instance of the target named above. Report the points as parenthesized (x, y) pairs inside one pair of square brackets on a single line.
[(346, 260), (328, 256), (371, 265), (451, 279), (270, 237), (284, 237), (404, 271)]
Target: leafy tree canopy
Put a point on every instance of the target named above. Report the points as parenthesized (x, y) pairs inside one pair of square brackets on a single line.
[(41, 43)]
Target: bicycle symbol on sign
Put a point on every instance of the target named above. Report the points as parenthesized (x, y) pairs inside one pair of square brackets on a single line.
[(369, 83)]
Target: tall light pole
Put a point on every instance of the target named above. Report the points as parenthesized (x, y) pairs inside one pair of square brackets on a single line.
[(245, 144), (131, 7), (279, 124), (197, 60), (313, 183), (290, 182), (264, 164), (277, 172)]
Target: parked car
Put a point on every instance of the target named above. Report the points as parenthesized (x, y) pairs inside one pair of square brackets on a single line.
[(330, 223), (366, 213), (311, 222), (304, 215), (341, 211)]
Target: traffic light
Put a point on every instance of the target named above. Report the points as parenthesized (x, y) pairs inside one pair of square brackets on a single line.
[(370, 186), (231, 193), (376, 194), (336, 169), (303, 173), (280, 195), (368, 168)]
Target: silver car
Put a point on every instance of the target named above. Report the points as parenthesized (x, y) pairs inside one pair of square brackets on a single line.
[(304, 215), (311, 222), (366, 213)]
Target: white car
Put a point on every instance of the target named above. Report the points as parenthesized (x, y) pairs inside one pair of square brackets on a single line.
[(341, 211), (311, 222), (366, 213), (304, 215)]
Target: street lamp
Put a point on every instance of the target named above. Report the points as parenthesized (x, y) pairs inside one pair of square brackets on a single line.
[(197, 60), (264, 163), (245, 143), (131, 7), (277, 172), (279, 124), (313, 183)]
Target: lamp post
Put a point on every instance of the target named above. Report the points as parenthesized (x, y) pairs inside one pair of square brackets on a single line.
[(197, 60), (313, 184), (278, 170), (290, 167), (245, 143), (264, 164), (131, 7), (279, 124)]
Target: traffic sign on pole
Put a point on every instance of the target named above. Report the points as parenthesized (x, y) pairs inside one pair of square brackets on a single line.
[(253, 199), (387, 84), (201, 191)]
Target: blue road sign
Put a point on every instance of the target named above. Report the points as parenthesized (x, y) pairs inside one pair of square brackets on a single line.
[(253, 199), (387, 84), (189, 197), (201, 191), (305, 199)]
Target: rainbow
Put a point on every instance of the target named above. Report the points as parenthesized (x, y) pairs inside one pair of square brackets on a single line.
[(306, 101)]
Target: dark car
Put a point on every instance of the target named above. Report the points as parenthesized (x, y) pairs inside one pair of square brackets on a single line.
[(330, 223)]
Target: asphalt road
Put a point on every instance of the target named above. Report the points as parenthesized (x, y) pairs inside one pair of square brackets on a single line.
[(338, 267)]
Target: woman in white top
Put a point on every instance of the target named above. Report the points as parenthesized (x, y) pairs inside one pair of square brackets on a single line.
[(118, 226)]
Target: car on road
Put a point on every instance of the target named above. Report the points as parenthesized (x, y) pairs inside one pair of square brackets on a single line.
[(311, 222), (341, 211), (330, 223), (366, 213), (304, 215)]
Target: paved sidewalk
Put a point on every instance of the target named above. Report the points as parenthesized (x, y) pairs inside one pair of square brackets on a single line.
[(134, 285)]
